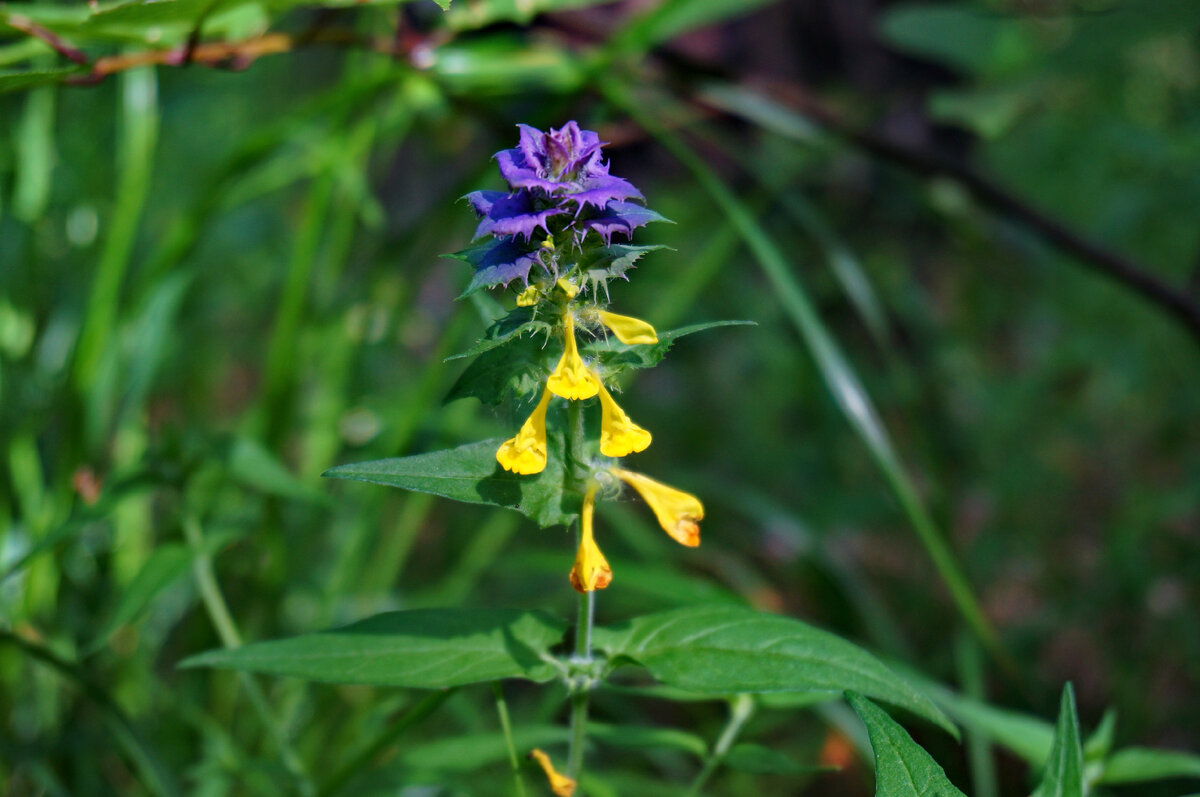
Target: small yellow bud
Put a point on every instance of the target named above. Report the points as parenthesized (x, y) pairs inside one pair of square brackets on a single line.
[(548, 244), (571, 378), (619, 436), (528, 297), (567, 287), (629, 330), (591, 571), (561, 785), (678, 512), (526, 452)]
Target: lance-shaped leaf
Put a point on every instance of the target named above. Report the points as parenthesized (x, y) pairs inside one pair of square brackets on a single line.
[(519, 321), (1064, 769), (902, 767), (471, 474), (609, 356), (1141, 764), (728, 649), (422, 649), (606, 262), (517, 370)]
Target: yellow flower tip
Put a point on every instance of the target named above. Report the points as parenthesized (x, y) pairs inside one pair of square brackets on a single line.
[(678, 512), (591, 571), (525, 453), (571, 378), (528, 297), (560, 784), (629, 330), (567, 287), (548, 244), (619, 436)]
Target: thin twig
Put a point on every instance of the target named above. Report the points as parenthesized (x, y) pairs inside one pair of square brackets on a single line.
[(31, 28), (1127, 272)]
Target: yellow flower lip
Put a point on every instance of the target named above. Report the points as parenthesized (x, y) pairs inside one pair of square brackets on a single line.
[(619, 436), (629, 330), (525, 453), (571, 378), (678, 512), (591, 571), (560, 784)]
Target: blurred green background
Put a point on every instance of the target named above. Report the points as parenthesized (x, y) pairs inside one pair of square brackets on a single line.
[(219, 279)]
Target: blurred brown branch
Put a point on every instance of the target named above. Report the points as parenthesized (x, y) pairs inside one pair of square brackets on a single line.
[(1176, 301)]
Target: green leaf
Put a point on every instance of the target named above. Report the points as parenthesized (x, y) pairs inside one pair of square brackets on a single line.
[(1027, 736), (470, 16), (760, 760), (19, 81), (421, 649), (256, 467), (609, 356), (640, 737), (1099, 744), (1141, 764), (966, 38), (675, 17), (471, 474), (902, 767), (1064, 769), (517, 322), (608, 262), (728, 649), (517, 370), (166, 564)]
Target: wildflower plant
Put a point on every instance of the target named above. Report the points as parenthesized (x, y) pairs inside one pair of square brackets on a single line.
[(556, 241)]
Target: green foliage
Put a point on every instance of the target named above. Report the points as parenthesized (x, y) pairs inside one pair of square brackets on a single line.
[(725, 649), (420, 649), (1142, 764), (902, 768), (471, 474), (1063, 776)]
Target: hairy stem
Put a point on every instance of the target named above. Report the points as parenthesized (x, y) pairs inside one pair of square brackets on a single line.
[(586, 607), (741, 710)]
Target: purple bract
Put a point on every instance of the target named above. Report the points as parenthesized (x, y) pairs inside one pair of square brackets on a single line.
[(559, 185)]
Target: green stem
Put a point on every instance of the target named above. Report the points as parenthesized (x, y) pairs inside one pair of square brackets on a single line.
[(506, 726), (741, 710), (586, 608), (218, 613)]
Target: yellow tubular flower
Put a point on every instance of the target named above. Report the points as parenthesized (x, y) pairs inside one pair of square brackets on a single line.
[(526, 452), (571, 378), (560, 784), (629, 330), (677, 511), (591, 571), (619, 436)]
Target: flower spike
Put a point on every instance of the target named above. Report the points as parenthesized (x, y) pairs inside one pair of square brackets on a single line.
[(619, 436), (591, 571), (560, 784), (571, 378), (629, 330), (526, 452), (677, 511)]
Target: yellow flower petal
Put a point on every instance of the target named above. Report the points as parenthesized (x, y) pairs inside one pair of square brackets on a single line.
[(526, 452), (571, 378), (528, 297), (619, 436), (677, 512), (591, 570), (560, 784), (629, 330)]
